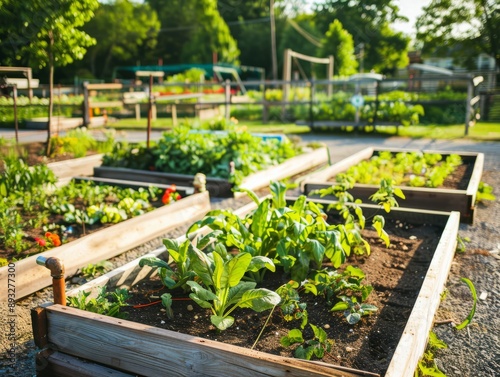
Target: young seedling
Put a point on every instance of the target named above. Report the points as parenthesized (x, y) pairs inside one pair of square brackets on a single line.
[(317, 346), (353, 311)]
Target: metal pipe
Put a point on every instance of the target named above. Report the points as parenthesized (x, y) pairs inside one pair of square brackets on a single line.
[(56, 268)]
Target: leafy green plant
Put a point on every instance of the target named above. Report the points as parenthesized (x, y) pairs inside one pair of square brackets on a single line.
[(317, 346), (185, 152), (469, 318), (385, 195), (183, 269), (353, 310), (427, 366), (99, 268), (405, 168), (290, 305), (484, 192), (331, 284), (295, 238), (106, 303), (225, 291), (352, 213)]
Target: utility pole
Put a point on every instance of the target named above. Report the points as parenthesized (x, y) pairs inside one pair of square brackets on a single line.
[(361, 57), (273, 41)]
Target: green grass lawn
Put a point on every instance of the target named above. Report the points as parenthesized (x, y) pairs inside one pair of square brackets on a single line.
[(486, 131)]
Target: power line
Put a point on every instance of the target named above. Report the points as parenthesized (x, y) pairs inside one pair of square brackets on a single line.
[(243, 22)]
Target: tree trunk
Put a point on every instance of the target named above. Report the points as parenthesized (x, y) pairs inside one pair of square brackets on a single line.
[(51, 88)]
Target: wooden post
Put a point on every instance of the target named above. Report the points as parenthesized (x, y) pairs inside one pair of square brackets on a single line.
[(150, 110), (174, 114), (227, 92), (137, 111), (16, 126), (86, 107)]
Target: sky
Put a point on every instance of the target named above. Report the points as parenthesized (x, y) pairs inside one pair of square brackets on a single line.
[(411, 9)]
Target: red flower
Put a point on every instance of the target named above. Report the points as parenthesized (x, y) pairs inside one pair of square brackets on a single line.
[(53, 238), (40, 241), (167, 196)]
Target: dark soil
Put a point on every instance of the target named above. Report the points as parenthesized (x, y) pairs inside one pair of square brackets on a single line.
[(72, 232), (396, 273)]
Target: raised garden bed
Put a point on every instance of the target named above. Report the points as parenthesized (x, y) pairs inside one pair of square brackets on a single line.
[(67, 169), (130, 347), (105, 243), (458, 195), (219, 187)]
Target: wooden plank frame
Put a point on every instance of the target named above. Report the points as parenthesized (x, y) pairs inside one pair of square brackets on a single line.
[(67, 169), (436, 199), (106, 243), (136, 348), (218, 187)]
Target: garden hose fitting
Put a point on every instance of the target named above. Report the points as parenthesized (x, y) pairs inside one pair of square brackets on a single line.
[(56, 268)]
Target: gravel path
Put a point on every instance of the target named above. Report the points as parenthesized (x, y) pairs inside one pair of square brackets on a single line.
[(474, 351)]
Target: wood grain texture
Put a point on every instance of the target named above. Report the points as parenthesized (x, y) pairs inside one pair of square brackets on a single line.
[(77, 166), (415, 335), (106, 243), (151, 351), (57, 364)]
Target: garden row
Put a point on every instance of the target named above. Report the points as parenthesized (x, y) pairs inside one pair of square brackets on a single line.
[(290, 255)]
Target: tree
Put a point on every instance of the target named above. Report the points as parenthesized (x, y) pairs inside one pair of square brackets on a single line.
[(47, 32), (339, 43), (126, 32), (368, 21), (191, 31), (210, 35), (461, 28)]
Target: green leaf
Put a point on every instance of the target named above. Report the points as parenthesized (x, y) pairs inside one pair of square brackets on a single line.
[(339, 306), (154, 262), (278, 189), (473, 310), (259, 299), (355, 272), (3, 190), (222, 323), (317, 250), (399, 193), (235, 269), (260, 262), (200, 292), (250, 193), (166, 300), (353, 318), (259, 218), (294, 336)]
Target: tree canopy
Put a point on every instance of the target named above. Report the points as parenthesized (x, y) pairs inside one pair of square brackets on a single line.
[(368, 21), (126, 33), (191, 31), (461, 28)]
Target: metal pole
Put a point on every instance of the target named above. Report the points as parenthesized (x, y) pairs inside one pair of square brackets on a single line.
[(56, 268)]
